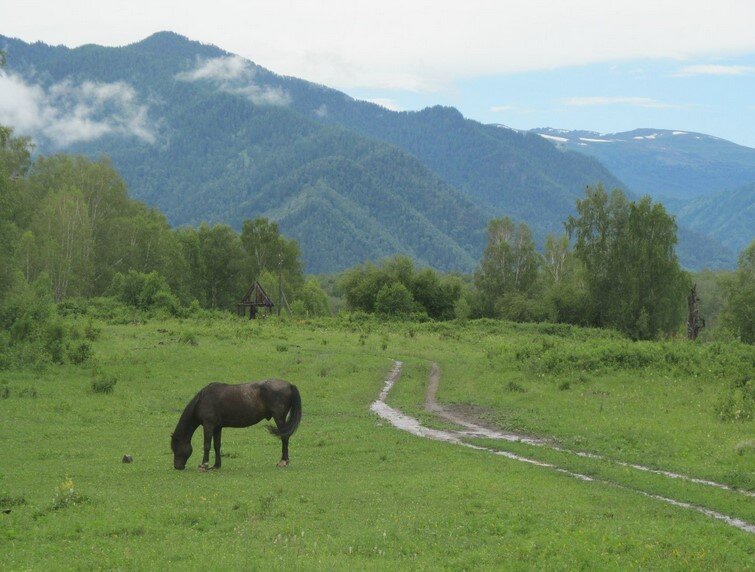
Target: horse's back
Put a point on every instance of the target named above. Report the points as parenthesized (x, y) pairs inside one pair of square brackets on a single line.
[(245, 404)]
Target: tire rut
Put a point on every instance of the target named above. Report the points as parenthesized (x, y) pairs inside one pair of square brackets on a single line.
[(411, 425)]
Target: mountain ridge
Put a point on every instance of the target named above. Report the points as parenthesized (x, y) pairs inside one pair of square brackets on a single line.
[(221, 155)]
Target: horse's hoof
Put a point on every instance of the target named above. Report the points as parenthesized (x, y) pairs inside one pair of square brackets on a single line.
[(282, 464), (203, 468)]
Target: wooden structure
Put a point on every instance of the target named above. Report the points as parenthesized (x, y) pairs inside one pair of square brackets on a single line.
[(254, 298)]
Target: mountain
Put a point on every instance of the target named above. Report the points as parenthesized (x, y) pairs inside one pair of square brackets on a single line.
[(505, 171), (693, 174), (728, 216), (205, 135), (224, 151), (673, 166)]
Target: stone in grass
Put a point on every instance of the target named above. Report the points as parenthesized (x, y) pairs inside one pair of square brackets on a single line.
[(127, 459)]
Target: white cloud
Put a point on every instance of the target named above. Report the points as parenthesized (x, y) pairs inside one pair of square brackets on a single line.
[(389, 104), (633, 101), (714, 69), (408, 44), (67, 113), (234, 74), (503, 108), (219, 69)]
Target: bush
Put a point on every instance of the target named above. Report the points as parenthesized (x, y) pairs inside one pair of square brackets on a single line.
[(35, 335), (104, 383), (79, 352), (738, 403), (189, 338), (66, 495), (144, 291), (394, 300)]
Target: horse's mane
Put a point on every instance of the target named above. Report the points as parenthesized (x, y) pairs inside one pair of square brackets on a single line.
[(186, 422)]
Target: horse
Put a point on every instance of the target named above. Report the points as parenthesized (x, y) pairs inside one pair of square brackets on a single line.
[(219, 405)]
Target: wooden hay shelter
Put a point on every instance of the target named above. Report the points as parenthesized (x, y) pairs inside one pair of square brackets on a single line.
[(254, 298)]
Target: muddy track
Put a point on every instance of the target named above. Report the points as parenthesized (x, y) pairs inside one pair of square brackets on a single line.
[(474, 428), (471, 429)]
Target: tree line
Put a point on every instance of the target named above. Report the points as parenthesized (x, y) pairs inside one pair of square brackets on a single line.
[(614, 267), (69, 221), (67, 226)]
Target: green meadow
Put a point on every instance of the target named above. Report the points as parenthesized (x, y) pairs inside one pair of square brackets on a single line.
[(359, 493)]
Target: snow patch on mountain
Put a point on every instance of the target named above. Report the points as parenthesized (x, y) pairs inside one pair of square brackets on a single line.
[(553, 138)]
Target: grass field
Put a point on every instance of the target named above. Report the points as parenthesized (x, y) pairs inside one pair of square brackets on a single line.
[(360, 494)]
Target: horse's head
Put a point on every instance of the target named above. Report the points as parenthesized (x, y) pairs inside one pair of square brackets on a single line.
[(181, 452)]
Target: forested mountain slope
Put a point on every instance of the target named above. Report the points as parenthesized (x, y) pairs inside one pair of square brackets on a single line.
[(728, 216), (204, 135), (218, 156), (676, 165)]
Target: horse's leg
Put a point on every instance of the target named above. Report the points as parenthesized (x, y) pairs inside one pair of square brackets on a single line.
[(208, 431), (216, 441), (284, 443)]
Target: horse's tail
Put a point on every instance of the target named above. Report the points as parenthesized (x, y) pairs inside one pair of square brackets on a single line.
[(294, 416)]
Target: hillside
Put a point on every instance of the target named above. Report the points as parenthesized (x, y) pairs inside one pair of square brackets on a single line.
[(204, 135), (220, 157), (667, 165), (728, 216)]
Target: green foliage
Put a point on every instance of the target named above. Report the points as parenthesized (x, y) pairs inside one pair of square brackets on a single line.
[(313, 300), (144, 291), (103, 383), (79, 352), (738, 403), (739, 292), (507, 272), (66, 495), (632, 274), (36, 335), (428, 291), (394, 299)]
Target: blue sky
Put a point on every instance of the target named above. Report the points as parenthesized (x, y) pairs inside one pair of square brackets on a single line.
[(713, 96), (587, 64)]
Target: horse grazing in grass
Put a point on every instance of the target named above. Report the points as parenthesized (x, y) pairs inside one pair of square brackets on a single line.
[(219, 405)]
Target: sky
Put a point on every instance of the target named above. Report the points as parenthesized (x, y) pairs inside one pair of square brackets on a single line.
[(599, 65)]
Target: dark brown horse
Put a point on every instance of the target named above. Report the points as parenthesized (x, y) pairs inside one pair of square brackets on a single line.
[(221, 405)]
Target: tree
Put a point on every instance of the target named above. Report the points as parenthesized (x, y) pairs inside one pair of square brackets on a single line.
[(430, 291), (632, 274), (15, 158), (66, 230), (268, 251), (314, 299), (509, 265), (394, 299), (222, 257), (739, 295)]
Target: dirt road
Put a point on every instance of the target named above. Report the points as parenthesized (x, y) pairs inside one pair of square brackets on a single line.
[(472, 428)]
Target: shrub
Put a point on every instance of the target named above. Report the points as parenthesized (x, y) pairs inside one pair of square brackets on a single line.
[(144, 291), (738, 403), (91, 332), (104, 383), (66, 495), (514, 387), (189, 338), (394, 300), (79, 352)]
